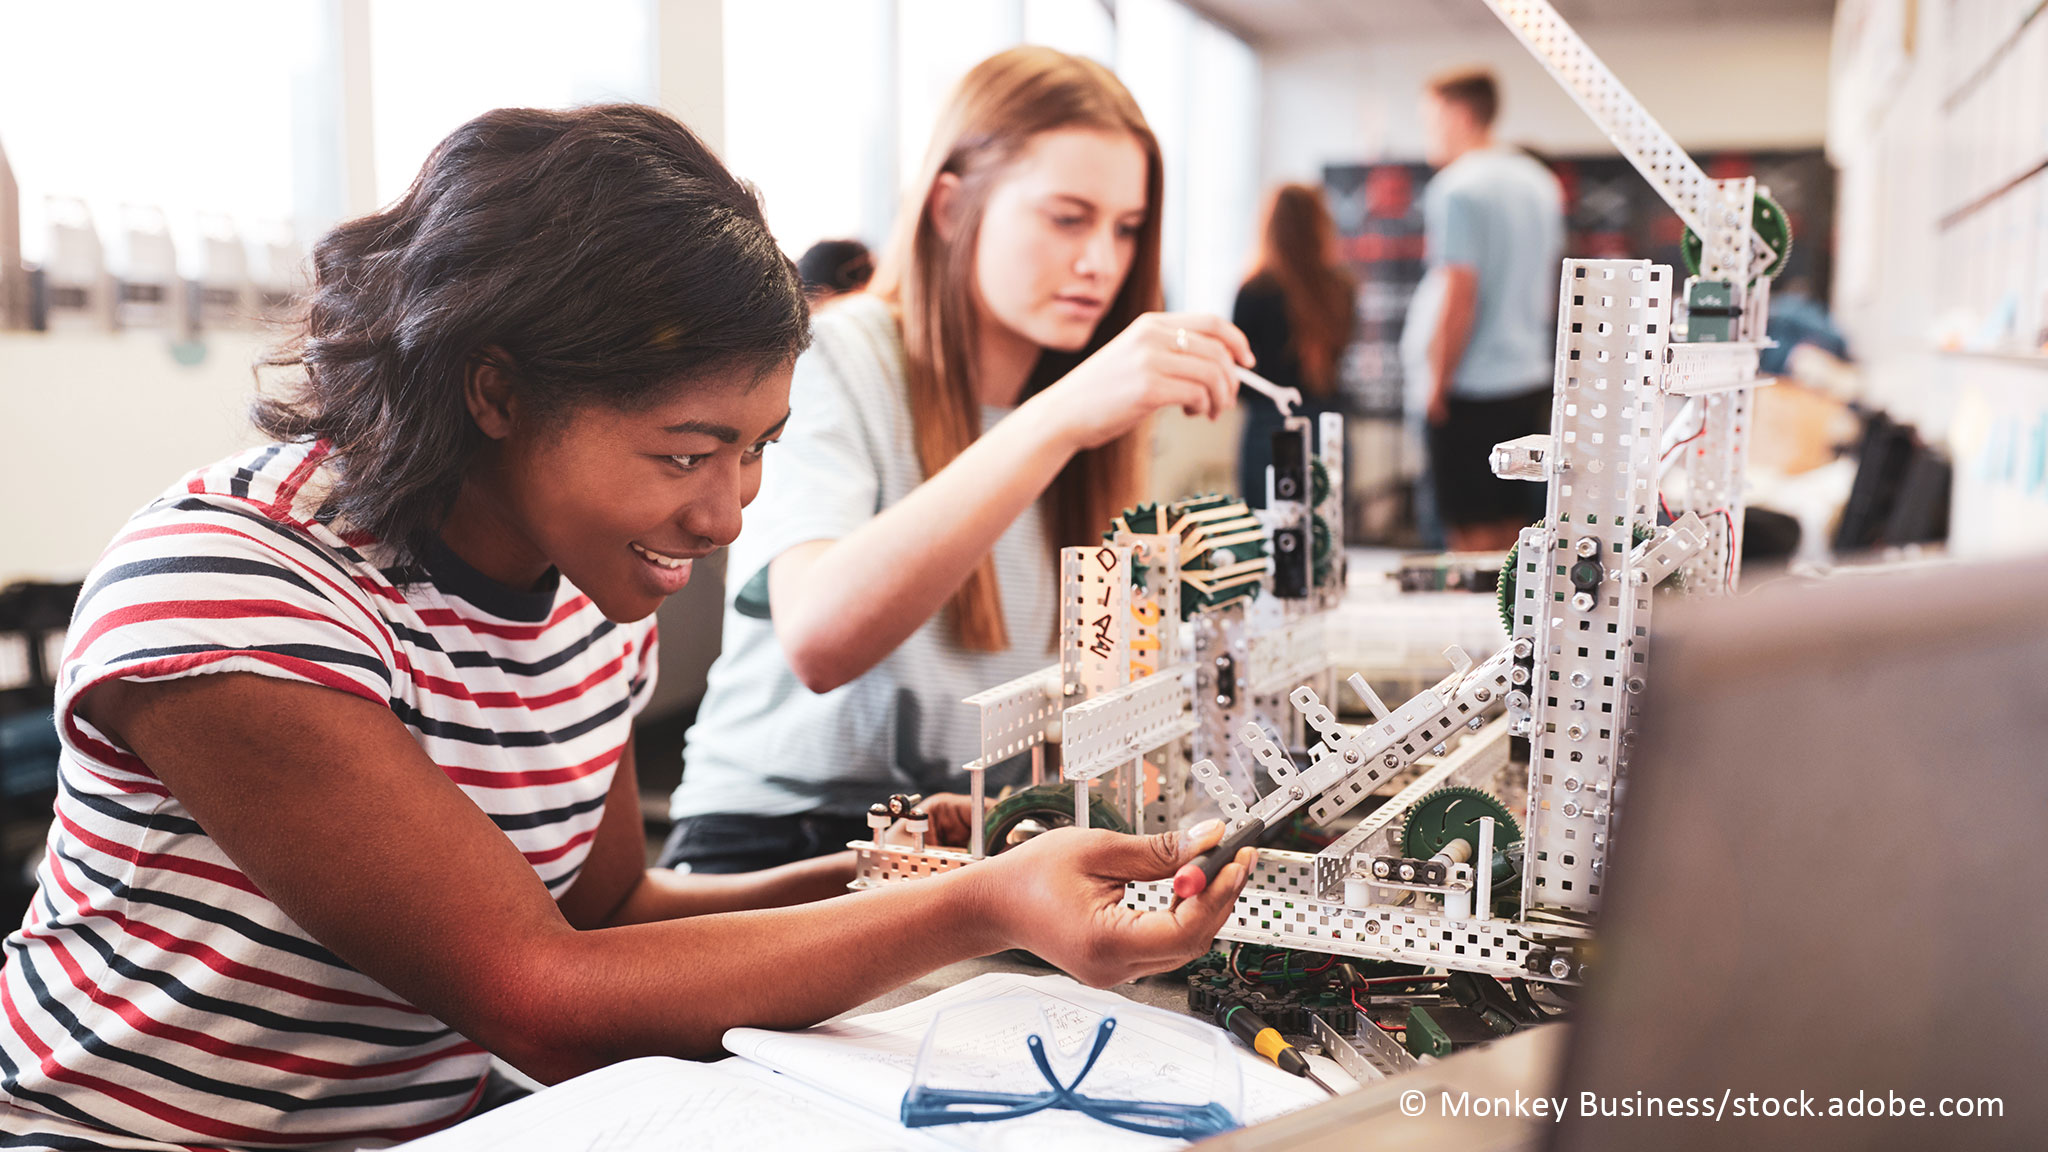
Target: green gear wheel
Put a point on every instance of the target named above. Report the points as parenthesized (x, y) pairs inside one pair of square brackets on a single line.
[(1318, 482), (1152, 519), (1772, 227), (1319, 548), (1453, 813), (1051, 806)]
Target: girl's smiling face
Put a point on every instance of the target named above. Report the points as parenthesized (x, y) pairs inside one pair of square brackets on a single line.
[(621, 501)]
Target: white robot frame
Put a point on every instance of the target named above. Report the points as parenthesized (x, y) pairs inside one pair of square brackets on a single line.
[(1570, 679)]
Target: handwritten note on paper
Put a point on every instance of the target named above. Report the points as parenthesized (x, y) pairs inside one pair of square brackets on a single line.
[(868, 1062), (661, 1105)]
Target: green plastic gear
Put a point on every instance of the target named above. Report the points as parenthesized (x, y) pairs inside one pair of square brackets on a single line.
[(1453, 813), (1152, 519), (1772, 227), (1318, 482), (1051, 805), (1319, 549)]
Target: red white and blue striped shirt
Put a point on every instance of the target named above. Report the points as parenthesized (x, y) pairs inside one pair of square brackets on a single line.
[(153, 996)]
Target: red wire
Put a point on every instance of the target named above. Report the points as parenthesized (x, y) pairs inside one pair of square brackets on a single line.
[(1687, 440)]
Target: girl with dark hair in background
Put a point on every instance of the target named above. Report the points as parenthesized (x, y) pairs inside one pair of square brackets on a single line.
[(347, 797), (983, 405), (1297, 310)]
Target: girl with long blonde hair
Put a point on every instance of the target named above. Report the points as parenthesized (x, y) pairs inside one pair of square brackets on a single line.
[(984, 404)]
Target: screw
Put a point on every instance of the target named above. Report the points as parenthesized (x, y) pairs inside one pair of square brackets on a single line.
[(1407, 872), (1475, 724), (1576, 731), (1635, 684), (1352, 756), (1571, 784), (1371, 926), (1518, 675), (1571, 810), (1582, 601), (1295, 793), (1391, 760), (1382, 869), (1580, 679), (1599, 866), (1483, 695), (1587, 546), (1560, 966), (1523, 648)]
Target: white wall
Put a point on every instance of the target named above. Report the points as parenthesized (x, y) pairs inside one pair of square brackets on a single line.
[(1914, 299), (93, 425), (1720, 85)]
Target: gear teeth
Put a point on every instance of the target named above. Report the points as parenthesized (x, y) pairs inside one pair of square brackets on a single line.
[(1424, 820), (1207, 525)]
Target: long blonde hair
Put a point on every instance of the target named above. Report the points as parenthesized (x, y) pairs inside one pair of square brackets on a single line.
[(1000, 105)]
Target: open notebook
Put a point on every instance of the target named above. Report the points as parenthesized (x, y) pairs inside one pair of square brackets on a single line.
[(832, 1088)]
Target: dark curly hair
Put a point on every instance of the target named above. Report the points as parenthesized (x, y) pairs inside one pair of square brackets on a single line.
[(594, 255)]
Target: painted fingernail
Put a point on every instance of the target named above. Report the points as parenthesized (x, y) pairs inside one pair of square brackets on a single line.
[(1189, 882), (1199, 833)]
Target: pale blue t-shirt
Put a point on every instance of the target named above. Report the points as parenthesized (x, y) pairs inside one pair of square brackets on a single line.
[(1501, 212)]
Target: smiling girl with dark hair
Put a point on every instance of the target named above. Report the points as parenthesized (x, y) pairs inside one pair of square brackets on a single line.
[(347, 798)]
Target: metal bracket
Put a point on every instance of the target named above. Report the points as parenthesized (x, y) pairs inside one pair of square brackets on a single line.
[(1656, 558), (1523, 458), (1111, 729)]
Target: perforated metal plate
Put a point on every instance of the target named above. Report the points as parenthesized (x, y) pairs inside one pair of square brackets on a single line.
[(1095, 620), (1111, 729), (1591, 645)]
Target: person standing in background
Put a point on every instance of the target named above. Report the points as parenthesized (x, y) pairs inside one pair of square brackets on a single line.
[(1480, 330), (1297, 312)]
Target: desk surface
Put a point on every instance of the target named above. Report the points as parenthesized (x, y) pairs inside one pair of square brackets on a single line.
[(1359, 1121)]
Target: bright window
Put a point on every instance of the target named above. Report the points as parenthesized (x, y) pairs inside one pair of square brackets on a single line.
[(434, 64), (809, 115), (187, 108)]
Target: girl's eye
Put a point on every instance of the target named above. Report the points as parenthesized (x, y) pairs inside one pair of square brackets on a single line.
[(757, 450), (1069, 221), (687, 463), (1127, 231)]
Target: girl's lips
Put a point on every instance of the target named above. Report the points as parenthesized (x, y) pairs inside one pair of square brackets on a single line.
[(667, 575)]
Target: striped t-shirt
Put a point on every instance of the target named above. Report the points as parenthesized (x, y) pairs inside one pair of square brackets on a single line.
[(152, 993)]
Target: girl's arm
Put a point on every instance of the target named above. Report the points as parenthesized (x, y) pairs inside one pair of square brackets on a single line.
[(840, 606), (615, 886), (330, 807)]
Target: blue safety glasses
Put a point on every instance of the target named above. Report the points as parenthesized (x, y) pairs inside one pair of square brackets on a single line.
[(1163, 1076)]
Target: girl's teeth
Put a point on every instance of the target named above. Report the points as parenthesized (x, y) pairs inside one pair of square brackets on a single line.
[(658, 558)]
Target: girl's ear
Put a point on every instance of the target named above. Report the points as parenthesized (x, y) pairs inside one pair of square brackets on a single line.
[(946, 205), (487, 393)]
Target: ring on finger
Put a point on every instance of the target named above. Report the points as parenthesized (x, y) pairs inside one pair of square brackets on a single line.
[(1180, 339)]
